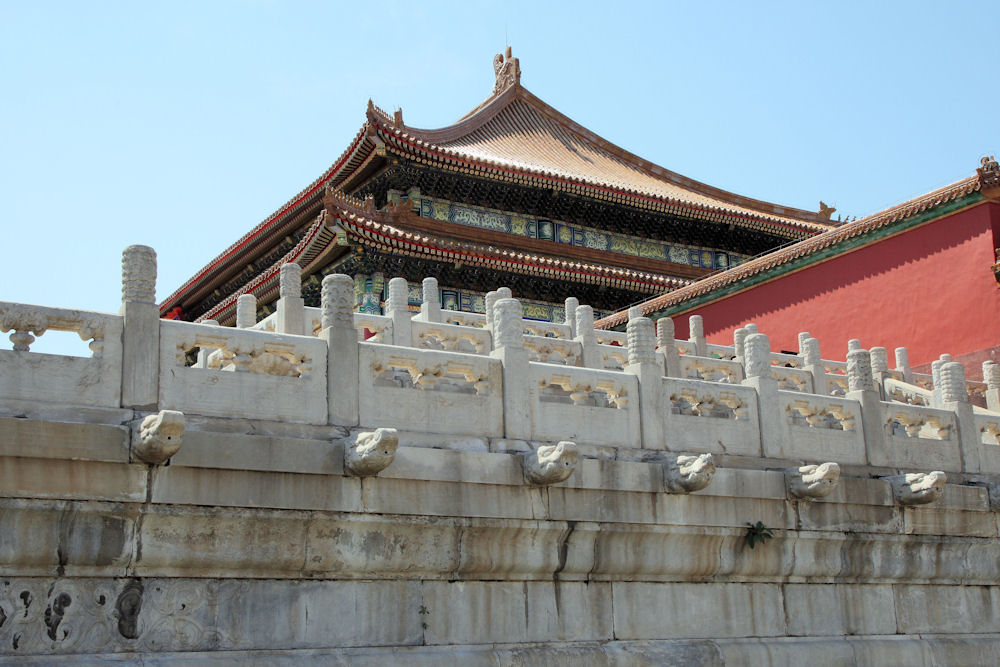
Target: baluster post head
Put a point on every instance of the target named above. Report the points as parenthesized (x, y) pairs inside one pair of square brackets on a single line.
[(138, 274), (664, 332), (509, 323), (811, 355), (337, 301), (246, 311), (430, 291), (290, 281), (803, 337), (859, 371), (397, 300), (757, 356), (585, 322), (696, 327), (991, 375), (641, 340), (879, 360), (953, 388)]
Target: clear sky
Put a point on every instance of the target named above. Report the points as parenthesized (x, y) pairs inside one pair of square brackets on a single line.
[(181, 125)]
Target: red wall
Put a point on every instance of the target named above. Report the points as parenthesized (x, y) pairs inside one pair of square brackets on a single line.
[(929, 289)]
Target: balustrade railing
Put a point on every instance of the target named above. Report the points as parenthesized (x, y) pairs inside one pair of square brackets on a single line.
[(496, 375)]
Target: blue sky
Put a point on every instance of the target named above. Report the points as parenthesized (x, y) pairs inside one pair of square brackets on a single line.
[(181, 125)]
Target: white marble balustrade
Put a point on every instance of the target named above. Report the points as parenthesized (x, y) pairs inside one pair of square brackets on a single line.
[(26, 375)]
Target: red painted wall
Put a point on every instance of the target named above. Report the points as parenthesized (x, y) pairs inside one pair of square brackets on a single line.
[(929, 289)]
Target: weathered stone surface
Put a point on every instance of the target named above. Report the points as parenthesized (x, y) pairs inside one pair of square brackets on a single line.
[(396, 496), (263, 453), (23, 477), (63, 440), (501, 612), (664, 611), (839, 609), (238, 488), (947, 609)]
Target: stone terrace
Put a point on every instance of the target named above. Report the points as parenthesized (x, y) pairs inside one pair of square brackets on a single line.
[(327, 486)]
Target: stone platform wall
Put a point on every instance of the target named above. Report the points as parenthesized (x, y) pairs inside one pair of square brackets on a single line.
[(130, 531)]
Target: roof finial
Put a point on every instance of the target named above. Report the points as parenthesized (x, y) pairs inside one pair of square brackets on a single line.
[(508, 71), (825, 211)]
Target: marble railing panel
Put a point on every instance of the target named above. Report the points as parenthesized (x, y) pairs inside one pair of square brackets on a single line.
[(554, 350), (91, 381), (252, 374), (585, 405), (451, 337), (702, 416), (821, 428), (711, 369), (430, 391)]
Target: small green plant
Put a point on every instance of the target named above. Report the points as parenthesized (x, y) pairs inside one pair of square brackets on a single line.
[(423, 612), (757, 533)]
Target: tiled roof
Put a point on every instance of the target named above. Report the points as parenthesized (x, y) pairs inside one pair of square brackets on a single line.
[(379, 229), (517, 136), (803, 249)]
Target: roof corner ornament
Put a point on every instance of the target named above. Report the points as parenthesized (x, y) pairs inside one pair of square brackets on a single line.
[(825, 212), (508, 71), (989, 177)]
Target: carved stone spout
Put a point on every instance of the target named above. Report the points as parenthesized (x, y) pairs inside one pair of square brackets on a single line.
[(550, 464), (812, 481), (158, 437), (688, 473), (370, 452), (917, 488)]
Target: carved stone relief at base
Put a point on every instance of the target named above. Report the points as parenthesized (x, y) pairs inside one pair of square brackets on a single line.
[(46, 616)]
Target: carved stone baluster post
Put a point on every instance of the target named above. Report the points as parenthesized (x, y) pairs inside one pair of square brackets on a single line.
[(696, 328), (667, 346), (936, 382), (880, 368), (991, 376), (246, 311), (757, 366), (291, 313), (342, 349), (518, 394), (572, 303), (903, 364), (587, 338), (853, 344), (490, 303), (141, 334), (861, 388), (751, 329), (803, 337), (642, 363), (739, 342), (205, 352), (955, 397), (396, 307), (812, 361), (430, 309)]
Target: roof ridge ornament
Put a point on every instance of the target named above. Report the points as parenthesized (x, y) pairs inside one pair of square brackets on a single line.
[(825, 212), (989, 177), (508, 71)]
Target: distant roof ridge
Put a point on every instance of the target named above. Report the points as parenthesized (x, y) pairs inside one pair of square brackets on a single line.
[(812, 244)]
